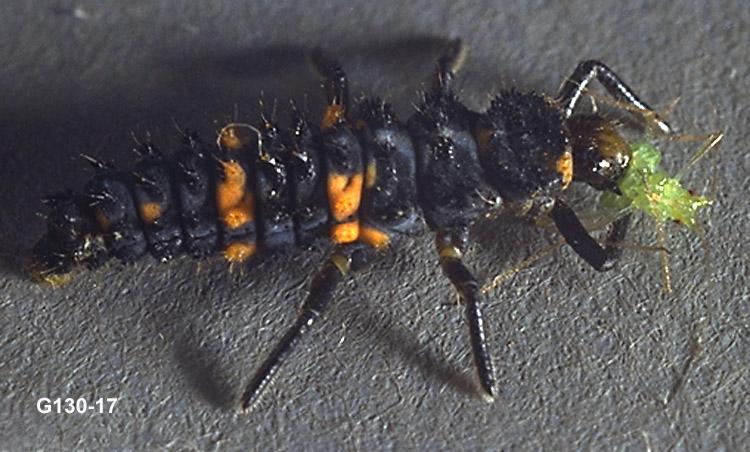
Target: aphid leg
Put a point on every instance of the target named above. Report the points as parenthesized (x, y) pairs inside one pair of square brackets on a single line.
[(614, 246), (449, 63), (666, 272), (524, 264), (576, 235), (333, 76), (575, 85), (343, 261), (449, 245)]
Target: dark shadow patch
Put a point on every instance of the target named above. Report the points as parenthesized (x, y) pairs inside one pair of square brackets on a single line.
[(276, 60), (201, 365), (403, 342)]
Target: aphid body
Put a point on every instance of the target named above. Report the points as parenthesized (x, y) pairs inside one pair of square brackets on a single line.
[(646, 187)]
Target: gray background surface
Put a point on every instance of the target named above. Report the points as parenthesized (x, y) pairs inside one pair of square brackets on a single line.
[(584, 360)]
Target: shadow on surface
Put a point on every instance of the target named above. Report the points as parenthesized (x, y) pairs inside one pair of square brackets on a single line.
[(398, 340), (202, 369)]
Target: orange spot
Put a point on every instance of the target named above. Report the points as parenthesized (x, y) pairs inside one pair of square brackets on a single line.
[(235, 136), (344, 194), (345, 232), (240, 214), (150, 212), (230, 190), (102, 219), (238, 252), (235, 205), (333, 114), (371, 174), (374, 237), (564, 167)]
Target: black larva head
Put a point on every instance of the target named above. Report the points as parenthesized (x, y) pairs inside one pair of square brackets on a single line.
[(68, 242), (600, 153)]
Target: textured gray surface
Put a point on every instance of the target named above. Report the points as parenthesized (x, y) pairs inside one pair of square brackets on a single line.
[(584, 360)]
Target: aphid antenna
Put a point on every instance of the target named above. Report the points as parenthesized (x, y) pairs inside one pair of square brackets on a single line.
[(524, 264), (710, 141)]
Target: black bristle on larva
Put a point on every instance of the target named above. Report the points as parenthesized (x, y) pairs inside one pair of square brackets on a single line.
[(376, 109), (449, 175), (153, 185), (389, 200), (525, 138), (195, 170), (113, 209), (306, 173), (273, 190)]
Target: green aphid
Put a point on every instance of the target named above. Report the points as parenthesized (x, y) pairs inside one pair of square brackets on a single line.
[(646, 187)]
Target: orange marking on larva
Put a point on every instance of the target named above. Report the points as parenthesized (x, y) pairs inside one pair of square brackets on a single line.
[(230, 190), (240, 214), (374, 237), (235, 136), (371, 175), (332, 115), (344, 195), (345, 232), (150, 212), (235, 204), (238, 252), (564, 167)]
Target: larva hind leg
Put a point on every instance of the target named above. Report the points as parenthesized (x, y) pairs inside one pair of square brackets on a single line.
[(341, 263)]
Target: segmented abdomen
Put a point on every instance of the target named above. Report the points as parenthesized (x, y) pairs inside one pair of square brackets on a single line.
[(263, 189)]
